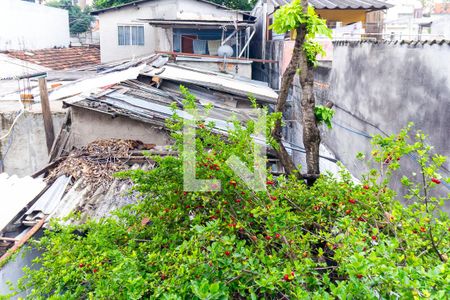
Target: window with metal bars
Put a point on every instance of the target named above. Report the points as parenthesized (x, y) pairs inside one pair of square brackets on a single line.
[(130, 35)]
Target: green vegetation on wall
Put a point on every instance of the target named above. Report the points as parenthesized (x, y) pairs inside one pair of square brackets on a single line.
[(79, 20)]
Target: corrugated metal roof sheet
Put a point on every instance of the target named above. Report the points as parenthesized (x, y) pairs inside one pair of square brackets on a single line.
[(215, 81), (48, 202), (347, 4), (16, 193)]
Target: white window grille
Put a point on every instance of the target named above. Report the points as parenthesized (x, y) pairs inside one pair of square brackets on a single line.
[(131, 35)]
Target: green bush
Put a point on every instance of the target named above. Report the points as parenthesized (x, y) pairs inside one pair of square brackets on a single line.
[(336, 239)]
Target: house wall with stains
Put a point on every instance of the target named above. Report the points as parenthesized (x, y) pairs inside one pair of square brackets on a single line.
[(88, 126), (24, 151), (379, 88)]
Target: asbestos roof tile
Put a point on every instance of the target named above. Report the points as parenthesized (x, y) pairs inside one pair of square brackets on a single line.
[(16, 193)]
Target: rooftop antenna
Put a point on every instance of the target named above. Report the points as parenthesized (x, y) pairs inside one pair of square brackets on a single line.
[(225, 51)]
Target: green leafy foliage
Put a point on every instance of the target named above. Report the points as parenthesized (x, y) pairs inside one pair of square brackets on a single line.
[(338, 239), (234, 4), (324, 115), (290, 17), (79, 20)]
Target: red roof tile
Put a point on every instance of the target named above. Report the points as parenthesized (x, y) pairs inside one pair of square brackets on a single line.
[(60, 58), (441, 8)]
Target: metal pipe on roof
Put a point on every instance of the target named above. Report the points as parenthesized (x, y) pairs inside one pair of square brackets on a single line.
[(248, 43), (229, 37), (264, 30)]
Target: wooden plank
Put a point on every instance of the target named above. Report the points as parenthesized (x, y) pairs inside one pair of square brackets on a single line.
[(46, 113), (23, 240)]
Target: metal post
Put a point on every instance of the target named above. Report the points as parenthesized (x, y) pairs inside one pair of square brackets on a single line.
[(246, 44)]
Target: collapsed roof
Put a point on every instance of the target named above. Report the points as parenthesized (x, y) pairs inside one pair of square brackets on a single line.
[(79, 175)]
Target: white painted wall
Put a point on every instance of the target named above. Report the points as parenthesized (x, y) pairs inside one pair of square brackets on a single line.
[(441, 26), (26, 26), (154, 38)]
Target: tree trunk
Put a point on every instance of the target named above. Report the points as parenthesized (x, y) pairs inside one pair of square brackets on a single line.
[(286, 83), (311, 133)]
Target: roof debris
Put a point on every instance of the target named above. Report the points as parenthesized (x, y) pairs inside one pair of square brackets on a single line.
[(98, 161)]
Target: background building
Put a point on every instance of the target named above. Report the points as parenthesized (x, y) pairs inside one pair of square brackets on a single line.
[(26, 25), (189, 26)]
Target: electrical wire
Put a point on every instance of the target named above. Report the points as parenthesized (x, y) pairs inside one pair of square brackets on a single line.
[(20, 113), (411, 156)]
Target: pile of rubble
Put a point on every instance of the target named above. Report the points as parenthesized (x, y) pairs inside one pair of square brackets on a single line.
[(99, 160)]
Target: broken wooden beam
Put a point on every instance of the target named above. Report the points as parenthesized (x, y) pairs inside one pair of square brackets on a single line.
[(46, 113)]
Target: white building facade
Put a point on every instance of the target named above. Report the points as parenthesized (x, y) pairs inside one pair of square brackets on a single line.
[(29, 26), (126, 31)]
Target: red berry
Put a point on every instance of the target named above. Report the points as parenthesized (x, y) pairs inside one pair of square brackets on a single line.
[(268, 237), (366, 187), (292, 273), (286, 277), (374, 237), (422, 229), (95, 270), (163, 276), (270, 182), (361, 219), (227, 253), (81, 265), (232, 182), (352, 201), (348, 211), (277, 235), (435, 180), (359, 276), (273, 198), (237, 200)]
